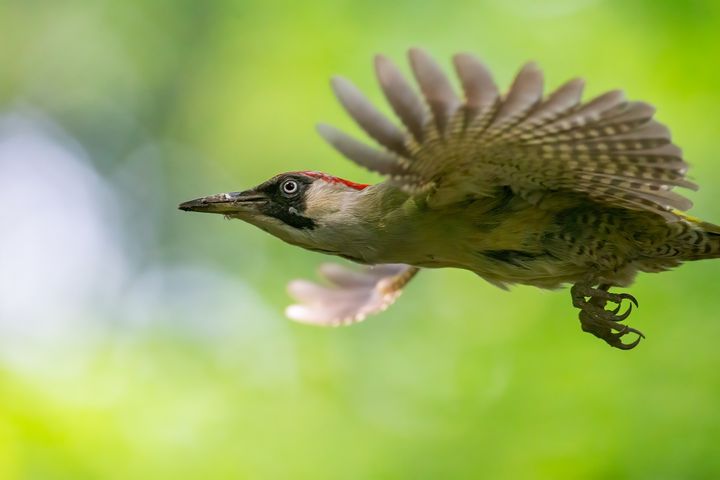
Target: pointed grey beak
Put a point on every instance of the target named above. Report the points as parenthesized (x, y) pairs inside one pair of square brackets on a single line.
[(226, 203)]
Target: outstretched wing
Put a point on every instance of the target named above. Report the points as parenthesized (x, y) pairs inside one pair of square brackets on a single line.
[(608, 148), (350, 295)]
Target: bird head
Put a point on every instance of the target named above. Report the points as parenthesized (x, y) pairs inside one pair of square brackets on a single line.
[(301, 208)]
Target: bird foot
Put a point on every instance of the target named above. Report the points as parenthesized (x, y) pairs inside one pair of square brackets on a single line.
[(601, 322)]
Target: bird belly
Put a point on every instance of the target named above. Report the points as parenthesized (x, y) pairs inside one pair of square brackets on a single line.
[(506, 240), (507, 267)]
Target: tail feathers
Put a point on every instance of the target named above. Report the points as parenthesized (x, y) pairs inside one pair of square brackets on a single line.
[(705, 243), (694, 239), (710, 228)]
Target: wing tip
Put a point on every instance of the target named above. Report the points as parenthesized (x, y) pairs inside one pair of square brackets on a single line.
[(417, 51), (342, 87), (380, 59), (326, 131)]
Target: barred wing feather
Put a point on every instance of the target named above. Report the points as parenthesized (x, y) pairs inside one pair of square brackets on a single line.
[(608, 148)]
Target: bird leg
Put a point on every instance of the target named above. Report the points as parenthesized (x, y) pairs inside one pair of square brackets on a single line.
[(602, 323)]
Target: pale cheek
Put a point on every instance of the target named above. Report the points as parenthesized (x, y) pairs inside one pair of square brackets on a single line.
[(325, 208), (322, 200)]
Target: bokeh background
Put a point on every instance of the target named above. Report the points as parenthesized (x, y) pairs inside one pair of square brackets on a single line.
[(137, 341)]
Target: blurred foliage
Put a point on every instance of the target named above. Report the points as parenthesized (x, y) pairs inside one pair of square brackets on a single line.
[(170, 100)]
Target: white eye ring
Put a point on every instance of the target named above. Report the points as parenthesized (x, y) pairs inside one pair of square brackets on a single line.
[(289, 187)]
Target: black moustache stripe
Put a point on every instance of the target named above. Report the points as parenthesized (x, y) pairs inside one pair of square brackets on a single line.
[(287, 209), (293, 219)]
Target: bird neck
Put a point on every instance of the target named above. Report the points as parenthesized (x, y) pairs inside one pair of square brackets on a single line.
[(354, 223)]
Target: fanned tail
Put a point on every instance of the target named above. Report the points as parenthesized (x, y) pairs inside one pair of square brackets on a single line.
[(710, 246), (701, 240)]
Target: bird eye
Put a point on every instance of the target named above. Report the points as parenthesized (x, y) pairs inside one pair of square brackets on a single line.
[(289, 187)]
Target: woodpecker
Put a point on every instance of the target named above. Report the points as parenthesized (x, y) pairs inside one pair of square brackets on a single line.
[(519, 188)]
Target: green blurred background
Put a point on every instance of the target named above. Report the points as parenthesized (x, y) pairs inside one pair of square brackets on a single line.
[(140, 342)]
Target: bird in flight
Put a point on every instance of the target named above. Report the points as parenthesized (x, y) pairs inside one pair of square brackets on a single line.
[(519, 188)]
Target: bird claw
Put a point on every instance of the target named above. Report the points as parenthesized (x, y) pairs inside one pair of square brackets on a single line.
[(602, 323), (616, 339), (622, 316), (619, 297)]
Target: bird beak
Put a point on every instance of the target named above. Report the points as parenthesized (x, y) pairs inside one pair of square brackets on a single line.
[(226, 203)]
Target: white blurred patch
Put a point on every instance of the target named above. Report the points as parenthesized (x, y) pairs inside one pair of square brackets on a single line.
[(57, 254), (68, 290)]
